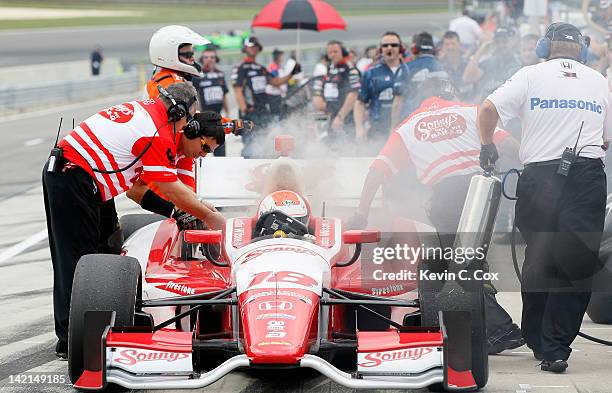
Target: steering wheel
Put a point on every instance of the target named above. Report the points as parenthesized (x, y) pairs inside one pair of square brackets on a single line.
[(275, 220)]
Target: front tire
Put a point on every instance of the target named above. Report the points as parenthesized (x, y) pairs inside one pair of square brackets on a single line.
[(130, 223), (101, 282)]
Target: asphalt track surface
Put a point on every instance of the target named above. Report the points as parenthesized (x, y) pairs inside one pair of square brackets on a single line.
[(23, 47)]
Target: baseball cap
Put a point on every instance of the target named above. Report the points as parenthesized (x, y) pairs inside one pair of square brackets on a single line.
[(562, 31), (503, 33), (424, 41), (252, 41)]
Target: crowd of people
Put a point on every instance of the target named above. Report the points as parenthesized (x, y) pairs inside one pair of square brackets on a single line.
[(362, 98)]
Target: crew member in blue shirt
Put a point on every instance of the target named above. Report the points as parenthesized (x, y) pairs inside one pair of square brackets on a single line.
[(377, 93), (406, 84)]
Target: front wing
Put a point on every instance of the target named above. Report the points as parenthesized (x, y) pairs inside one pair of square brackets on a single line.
[(410, 358)]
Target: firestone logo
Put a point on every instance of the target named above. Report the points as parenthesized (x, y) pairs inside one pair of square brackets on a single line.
[(132, 356), (375, 359), (436, 128), (180, 288)]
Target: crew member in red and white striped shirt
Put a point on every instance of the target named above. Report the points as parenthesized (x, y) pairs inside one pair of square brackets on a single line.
[(118, 150), (441, 139)]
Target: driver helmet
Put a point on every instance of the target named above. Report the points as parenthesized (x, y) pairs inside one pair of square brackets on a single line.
[(164, 46), (288, 202)]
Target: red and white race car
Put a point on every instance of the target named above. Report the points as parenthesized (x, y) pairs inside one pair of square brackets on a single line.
[(181, 309)]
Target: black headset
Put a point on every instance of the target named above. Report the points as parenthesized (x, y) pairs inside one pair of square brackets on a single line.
[(344, 51), (178, 109)]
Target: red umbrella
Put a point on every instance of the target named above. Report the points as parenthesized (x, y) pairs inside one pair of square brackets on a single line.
[(314, 15)]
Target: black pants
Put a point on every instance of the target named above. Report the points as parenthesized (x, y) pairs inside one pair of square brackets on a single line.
[(447, 202), (77, 220), (561, 219)]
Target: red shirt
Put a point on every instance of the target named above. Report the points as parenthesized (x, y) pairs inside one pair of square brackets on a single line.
[(113, 138)]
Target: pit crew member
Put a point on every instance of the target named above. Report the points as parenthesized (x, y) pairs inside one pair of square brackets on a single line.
[(441, 140), (406, 85), (212, 87), (171, 49), (249, 80), (337, 92), (113, 152), (377, 91), (564, 108)]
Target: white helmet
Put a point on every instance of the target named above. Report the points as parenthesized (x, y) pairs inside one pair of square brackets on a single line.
[(289, 202), (163, 48)]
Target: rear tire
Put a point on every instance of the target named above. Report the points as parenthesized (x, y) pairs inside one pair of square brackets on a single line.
[(458, 296), (130, 223), (600, 308), (101, 282)]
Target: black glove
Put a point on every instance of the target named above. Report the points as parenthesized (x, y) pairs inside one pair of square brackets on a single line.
[(185, 220), (488, 156), (296, 69), (356, 221)]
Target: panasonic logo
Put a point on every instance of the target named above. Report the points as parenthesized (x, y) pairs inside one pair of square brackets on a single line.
[(543, 103)]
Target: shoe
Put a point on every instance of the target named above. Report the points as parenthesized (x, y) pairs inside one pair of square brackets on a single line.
[(509, 339), (554, 366), (61, 350)]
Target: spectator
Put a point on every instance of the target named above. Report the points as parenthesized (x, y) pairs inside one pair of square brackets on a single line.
[(451, 56), (493, 63), (407, 81), (377, 92), (369, 56), (250, 80), (212, 87), (320, 69), (528, 53), (468, 30), (96, 60), (337, 92), (276, 93)]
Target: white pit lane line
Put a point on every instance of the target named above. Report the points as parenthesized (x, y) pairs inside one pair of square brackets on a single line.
[(33, 142), (18, 248)]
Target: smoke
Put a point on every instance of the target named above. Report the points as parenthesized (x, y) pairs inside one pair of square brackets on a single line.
[(331, 171)]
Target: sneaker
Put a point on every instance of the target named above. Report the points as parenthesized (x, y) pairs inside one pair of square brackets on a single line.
[(61, 350), (554, 366), (510, 339)]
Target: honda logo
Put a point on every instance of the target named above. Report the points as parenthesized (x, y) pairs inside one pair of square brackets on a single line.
[(275, 305)]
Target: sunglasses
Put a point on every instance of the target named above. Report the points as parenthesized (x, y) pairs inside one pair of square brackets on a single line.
[(393, 45), (209, 57), (187, 55)]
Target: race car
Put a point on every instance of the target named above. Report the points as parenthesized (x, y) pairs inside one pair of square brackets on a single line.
[(278, 288)]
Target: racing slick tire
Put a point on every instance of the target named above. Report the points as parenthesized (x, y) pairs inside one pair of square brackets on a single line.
[(454, 295), (600, 305), (600, 308), (101, 282), (130, 223)]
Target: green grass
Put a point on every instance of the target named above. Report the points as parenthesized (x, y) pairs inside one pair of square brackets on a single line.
[(159, 13)]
